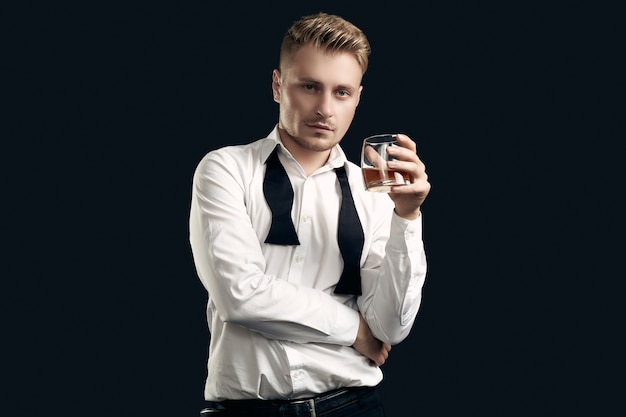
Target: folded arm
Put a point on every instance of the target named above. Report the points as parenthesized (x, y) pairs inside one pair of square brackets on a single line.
[(230, 263)]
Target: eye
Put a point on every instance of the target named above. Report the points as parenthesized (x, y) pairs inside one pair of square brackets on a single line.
[(343, 93), (308, 87)]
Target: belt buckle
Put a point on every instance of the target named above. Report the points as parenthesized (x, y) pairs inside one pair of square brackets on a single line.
[(311, 403)]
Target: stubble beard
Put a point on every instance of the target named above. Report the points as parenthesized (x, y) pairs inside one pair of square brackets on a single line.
[(317, 144)]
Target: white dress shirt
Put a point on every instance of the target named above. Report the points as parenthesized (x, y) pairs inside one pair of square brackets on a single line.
[(277, 330)]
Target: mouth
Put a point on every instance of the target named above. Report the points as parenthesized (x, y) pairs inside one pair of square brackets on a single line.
[(320, 126)]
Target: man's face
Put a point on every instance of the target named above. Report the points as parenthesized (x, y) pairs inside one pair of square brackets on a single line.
[(318, 94)]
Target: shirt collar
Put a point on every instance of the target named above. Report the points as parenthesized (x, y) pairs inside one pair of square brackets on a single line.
[(336, 159)]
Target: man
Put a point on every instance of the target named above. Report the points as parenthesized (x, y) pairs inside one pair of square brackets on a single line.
[(270, 245)]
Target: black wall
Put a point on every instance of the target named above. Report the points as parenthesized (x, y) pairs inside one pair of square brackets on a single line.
[(518, 114)]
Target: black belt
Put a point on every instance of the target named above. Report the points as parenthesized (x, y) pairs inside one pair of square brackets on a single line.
[(316, 406)]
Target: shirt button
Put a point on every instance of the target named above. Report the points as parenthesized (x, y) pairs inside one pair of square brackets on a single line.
[(298, 258)]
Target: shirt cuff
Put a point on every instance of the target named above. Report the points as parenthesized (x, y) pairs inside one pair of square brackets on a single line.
[(405, 235), (347, 325)]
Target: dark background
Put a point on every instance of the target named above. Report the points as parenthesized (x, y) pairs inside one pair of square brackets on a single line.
[(518, 112)]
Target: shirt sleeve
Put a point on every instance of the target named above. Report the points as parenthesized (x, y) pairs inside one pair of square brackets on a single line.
[(393, 277), (230, 264)]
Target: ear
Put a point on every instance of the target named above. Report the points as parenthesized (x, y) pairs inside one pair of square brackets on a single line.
[(276, 85)]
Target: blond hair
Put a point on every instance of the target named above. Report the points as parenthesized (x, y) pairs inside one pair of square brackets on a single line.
[(328, 32)]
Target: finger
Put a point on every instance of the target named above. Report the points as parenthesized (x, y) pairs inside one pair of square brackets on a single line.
[(376, 361), (373, 156), (412, 168), (403, 153), (406, 142)]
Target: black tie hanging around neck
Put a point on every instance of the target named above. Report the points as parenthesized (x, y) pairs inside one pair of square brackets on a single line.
[(279, 196), (350, 238)]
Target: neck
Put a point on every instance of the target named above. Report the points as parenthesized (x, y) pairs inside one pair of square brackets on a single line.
[(310, 160)]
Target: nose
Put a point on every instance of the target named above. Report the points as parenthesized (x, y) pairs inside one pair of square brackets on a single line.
[(325, 105)]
